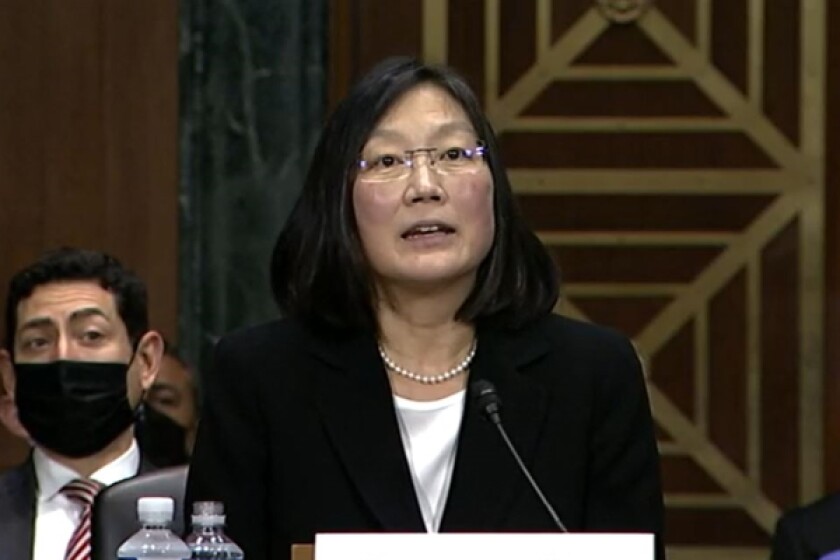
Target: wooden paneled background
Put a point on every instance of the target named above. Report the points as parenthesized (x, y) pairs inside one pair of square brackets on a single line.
[(89, 140), (672, 155)]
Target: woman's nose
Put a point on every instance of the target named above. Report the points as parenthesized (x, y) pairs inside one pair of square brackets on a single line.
[(423, 180)]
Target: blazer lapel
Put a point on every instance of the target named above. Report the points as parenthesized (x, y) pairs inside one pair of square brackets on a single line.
[(18, 491), (486, 478), (355, 402)]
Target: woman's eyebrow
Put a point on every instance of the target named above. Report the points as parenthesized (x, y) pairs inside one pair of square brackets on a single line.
[(454, 126), (441, 131)]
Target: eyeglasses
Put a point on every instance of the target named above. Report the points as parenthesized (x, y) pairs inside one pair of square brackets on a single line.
[(393, 167)]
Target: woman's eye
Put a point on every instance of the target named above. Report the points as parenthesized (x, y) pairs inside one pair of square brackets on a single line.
[(388, 160), (453, 154)]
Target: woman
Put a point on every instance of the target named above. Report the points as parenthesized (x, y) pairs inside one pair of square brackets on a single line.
[(406, 273)]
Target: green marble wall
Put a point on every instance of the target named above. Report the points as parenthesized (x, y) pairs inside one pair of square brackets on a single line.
[(253, 89)]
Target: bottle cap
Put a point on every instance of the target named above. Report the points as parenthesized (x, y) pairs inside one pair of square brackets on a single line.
[(208, 508), (155, 509), (208, 513)]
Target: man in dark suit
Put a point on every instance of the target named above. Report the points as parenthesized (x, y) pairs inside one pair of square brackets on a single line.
[(809, 532), (78, 356)]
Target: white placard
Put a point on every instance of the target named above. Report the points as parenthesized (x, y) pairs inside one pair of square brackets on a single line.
[(484, 546)]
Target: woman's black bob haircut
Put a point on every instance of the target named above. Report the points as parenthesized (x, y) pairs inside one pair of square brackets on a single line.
[(319, 272)]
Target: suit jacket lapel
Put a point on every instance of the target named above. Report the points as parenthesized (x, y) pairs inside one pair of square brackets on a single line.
[(486, 478), (355, 402), (17, 512)]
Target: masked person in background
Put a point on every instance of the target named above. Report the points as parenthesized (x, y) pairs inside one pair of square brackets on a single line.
[(167, 428), (78, 356)]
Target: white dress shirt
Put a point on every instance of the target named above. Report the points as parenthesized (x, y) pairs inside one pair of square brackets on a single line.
[(57, 516), (429, 432)]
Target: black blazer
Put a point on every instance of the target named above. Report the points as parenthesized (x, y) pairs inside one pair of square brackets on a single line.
[(18, 492), (808, 532), (18, 497), (299, 435)]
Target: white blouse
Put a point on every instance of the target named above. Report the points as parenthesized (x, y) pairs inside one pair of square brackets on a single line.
[(429, 432)]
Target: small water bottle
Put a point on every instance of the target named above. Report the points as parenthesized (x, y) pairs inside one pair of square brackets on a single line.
[(154, 540), (208, 540)]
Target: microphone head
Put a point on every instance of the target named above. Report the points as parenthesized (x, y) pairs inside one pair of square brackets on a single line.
[(487, 399)]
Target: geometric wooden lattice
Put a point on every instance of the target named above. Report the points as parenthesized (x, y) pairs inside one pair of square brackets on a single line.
[(674, 165)]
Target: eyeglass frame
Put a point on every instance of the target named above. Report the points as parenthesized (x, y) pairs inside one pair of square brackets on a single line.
[(362, 165)]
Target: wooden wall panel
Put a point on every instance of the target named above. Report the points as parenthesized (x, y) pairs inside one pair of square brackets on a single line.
[(363, 32), (88, 140), (728, 383), (781, 352), (831, 442)]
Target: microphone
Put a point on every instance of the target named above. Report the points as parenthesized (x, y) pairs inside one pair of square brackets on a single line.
[(490, 404)]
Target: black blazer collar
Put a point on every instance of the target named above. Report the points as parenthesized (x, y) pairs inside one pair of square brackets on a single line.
[(356, 404), (486, 478)]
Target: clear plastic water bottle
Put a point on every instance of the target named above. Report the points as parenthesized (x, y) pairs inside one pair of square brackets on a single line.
[(154, 540), (208, 540)]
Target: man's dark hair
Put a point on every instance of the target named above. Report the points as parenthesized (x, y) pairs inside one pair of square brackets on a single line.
[(170, 349), (69, 264), (319, 272)]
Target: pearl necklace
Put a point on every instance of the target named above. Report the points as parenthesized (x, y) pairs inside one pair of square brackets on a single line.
[(430, 379)]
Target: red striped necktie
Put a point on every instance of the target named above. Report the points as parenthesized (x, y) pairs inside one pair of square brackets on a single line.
[(82, 491)]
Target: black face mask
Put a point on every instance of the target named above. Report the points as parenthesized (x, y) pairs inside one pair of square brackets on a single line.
[(73, 408), (162, 439)]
